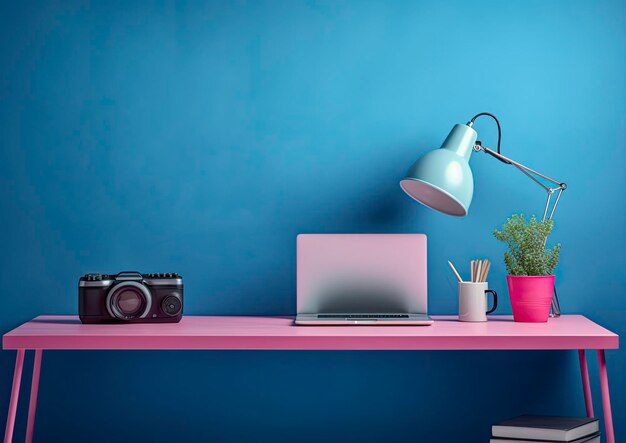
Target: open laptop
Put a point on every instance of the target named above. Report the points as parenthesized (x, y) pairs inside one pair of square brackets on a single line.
[(362, 279)]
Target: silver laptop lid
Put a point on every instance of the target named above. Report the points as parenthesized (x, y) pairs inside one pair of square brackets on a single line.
[(361, 273)]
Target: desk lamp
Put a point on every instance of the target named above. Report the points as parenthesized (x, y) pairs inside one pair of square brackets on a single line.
[(442, 179)]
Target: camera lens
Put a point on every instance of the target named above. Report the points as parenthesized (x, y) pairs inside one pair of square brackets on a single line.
[(128, 300), (171, 305)]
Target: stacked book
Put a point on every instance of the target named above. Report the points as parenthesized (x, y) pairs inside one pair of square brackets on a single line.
[(545, 429)]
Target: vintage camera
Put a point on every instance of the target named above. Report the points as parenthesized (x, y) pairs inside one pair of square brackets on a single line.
[(130, 297)]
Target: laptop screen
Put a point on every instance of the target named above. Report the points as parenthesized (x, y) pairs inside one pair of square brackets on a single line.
[(361, 273)]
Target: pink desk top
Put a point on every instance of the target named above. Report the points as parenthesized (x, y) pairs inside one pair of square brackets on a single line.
[(279, 333)]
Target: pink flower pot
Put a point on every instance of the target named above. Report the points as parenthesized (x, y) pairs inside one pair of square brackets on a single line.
[(531, 297)]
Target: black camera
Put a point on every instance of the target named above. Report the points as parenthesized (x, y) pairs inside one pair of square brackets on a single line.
[(130, 297)]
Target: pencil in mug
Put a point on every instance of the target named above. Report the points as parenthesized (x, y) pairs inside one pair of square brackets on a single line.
[(485, 271), (455, 271)]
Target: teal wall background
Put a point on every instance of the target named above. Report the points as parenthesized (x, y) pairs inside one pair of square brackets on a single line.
[(202, 137)]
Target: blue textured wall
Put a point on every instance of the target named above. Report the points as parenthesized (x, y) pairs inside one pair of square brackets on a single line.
[(202, 137)]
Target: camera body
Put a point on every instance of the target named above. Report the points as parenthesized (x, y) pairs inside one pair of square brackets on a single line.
[(130, 297)]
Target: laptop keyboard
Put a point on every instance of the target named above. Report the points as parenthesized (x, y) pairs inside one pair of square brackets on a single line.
[(362, 316)]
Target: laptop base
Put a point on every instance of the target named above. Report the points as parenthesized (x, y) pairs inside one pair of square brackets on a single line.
[(363, 320)]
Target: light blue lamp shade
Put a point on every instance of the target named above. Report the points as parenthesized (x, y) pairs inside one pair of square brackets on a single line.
[(442, 179)]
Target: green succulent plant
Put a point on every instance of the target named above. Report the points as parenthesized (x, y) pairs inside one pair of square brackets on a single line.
[(526, 240)]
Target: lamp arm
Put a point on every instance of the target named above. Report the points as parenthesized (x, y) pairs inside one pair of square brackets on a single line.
[(534, 176)]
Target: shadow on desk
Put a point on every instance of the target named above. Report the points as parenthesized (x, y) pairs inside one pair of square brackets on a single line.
[(56, 321), (496, 319)]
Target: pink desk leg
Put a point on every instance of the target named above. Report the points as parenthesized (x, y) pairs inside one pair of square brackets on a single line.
[(584, 373), (606, 399), (34, 389), (15, 393)]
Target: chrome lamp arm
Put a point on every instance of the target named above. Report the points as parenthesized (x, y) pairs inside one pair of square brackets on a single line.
[(534, 176)]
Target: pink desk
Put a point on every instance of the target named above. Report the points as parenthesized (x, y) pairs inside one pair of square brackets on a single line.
[(573, 332)]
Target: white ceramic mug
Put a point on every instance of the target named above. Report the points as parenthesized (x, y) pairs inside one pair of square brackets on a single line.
[(473, 301)]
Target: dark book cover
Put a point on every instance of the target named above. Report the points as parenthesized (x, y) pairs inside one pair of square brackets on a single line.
[(542, 427)]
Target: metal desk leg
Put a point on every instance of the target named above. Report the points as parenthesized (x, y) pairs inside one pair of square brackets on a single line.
[(606, 399), (584, 374), (15, 393), (34, 389)]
